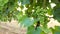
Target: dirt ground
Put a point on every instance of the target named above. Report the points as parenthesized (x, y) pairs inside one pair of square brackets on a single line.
[(12, 28)]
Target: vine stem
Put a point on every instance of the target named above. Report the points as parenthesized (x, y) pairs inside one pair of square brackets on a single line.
[(44, 4)]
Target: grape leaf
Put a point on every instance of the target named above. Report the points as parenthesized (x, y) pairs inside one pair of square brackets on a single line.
[(31, 30), (27, 21), (23, 2), (56, 14), (56, 32)]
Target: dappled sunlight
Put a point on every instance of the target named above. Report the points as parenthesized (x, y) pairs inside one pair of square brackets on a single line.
[(53, 23)]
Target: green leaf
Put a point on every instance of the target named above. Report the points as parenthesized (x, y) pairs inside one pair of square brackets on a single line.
[(56, 32), (27, 22), (56, 14), (23, 2), (46, 30), (31, 30), (2, 2), (57, 28), (50, 11), (41, 20), (55, 1), (20, 16)]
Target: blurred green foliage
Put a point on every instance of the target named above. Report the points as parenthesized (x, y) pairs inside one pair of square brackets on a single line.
[(36, 11)]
